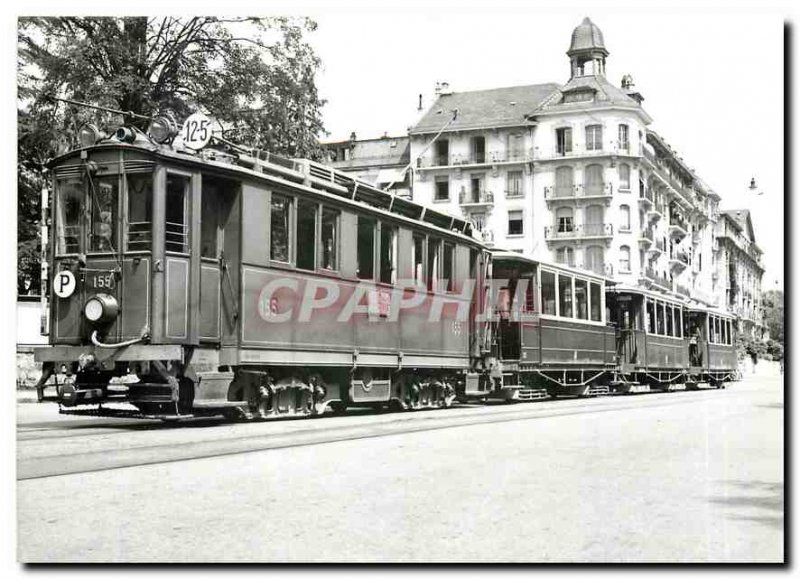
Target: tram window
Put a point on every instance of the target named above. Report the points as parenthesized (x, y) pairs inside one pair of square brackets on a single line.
[(660, 318), (329, 238), (549, 293), (596, 301), (564, 296), (669, 329), (730, 333), (306, 239), (69, 207), (176, 232), (140, 211), (366, 248), (432, 271), (677, 322), (448, 266), (724, 329), (209, 219), (651, 317), (712, 322), (530, 295), (388, 254), (417, 259), (717, 323), (280, 213), (581, 300), (103, 194)]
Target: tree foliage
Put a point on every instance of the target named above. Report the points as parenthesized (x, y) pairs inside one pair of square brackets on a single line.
[(772, 301), (256, 75)]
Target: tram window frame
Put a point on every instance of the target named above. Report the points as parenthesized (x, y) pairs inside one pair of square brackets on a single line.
[(144, 235), (449, 266), (529, 305), (677, 313), (599, 306), (96, 186), (210, 204), (668, 319), (660, 326), (724, 327), (187, 217), (387, 275), (303, 249), (548, 292), (287, 208), (329, 261), (61, 237), (566, 299), (418, 246), (718, 324), (365, 226), (730, 333), (650, 314), (433, 264), (584, 315)]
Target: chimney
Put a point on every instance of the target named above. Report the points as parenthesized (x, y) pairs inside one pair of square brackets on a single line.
[(352, 137), (445, 89), (438, 90), (419, 106)]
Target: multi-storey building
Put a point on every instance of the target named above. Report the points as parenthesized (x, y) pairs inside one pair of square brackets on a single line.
[(572, 173), (380, 161)]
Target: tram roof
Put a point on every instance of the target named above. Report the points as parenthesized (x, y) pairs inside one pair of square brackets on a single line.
[(514, 256), (682, 300)]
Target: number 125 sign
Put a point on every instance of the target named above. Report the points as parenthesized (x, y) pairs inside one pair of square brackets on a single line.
[(196, 131)]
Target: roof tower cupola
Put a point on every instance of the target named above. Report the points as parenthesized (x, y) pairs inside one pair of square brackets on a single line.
[(587, 52)]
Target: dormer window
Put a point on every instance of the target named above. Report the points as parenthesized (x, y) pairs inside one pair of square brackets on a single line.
[(578, 96)]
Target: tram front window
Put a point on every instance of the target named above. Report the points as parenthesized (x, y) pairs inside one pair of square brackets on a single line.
[(140, 211), (69, 208), (103, 193)]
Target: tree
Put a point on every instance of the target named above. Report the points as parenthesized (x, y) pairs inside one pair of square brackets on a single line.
[(772, 301), (256, 75)]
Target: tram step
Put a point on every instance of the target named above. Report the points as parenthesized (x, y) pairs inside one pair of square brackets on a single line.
[(532, 394), (597, 391)]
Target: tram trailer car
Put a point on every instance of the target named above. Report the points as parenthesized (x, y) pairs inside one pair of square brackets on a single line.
[(550, 325), (177, 280)]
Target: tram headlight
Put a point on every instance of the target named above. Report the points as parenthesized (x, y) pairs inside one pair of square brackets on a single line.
[(161, 129), (125, 134), (101, 308), (88, 135)]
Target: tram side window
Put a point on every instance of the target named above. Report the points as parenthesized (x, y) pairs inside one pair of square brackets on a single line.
[(712, 323), (677, 322), (530, 295), (69, 207), (724, 332), (365, 252), (581, 299), (549, 293), (448, 266), (651, 317), (433, 270), (596, 301), (280, 214), (565, 296), (388, 254), (730, 333), (103, 234), (306, 238), (140, 211), (417, 259), (669, 328), (176, 232), (329, 239), (209, 219), (718, 324), (660, 318)]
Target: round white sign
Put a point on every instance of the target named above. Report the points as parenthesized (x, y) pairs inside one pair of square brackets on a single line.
[(196, 131), (64, 284)]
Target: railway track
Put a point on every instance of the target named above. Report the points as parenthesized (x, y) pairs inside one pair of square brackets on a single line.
[(101, 449)]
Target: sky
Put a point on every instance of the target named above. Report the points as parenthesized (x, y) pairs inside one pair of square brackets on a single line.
[(712, 81)]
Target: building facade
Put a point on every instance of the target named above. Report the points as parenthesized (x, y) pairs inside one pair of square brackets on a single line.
[(572, 173)]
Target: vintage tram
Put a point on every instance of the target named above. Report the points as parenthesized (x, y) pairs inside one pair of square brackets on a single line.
[(229, 281)]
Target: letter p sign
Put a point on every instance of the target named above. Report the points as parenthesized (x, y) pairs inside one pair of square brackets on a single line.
[(64, 284)]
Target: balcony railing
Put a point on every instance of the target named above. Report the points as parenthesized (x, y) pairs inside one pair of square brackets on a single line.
[(660, 246), (647, 236), (575, 191), (514, 193), (647, 197), (475, 158), (652, 275), (583, 230), (580, 150), (476, 198), (684, 291)]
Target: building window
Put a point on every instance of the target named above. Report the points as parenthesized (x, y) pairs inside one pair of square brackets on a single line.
[(625, 218), (365, 250), (593, 180), (594, 220), (479, 220), (624, 143), (515, 147), (625, 258), (565, 183), (305, 241), (514, 184), (329, 238), (594, 137), (280, 214), (595, 258), (515, 223), (442, 154), (565, 255), (442, 192), (624, 172), (478, 149), (563, 141), (564, 220)]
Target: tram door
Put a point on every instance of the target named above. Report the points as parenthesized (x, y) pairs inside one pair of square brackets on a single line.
[(630, 327), (215, 204)]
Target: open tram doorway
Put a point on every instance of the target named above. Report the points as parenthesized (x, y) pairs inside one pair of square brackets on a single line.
[(627, 310), (516, 298), (695, 329)]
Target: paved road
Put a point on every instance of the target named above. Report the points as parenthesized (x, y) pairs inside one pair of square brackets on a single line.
[(694, 476)]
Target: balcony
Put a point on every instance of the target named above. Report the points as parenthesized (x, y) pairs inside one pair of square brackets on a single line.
[(646, 198), (487, 237), (515, 193), (656, 211), (657, 248), (646, 237), (679, 260), (697, 237), (575, 192), (475, 198), (651, 277), (580, 231), (684, 291), (677, 227), (579, 150)]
